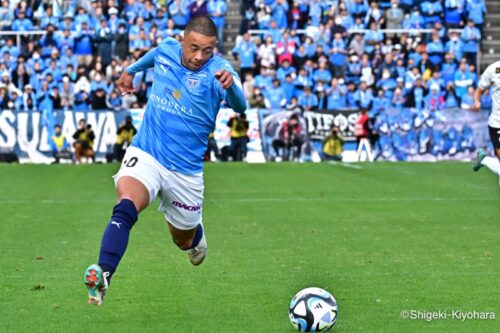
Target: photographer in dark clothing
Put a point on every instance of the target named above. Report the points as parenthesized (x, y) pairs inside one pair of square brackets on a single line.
[(84, 143), (289, 139), (124, 137), (239, 139)]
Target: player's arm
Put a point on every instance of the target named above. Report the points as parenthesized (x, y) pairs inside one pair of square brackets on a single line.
[(483, 84), (477, 98), (125, 82), (234, 91)]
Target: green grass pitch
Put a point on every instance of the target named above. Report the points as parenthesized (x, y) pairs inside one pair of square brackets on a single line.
[(382, 237)]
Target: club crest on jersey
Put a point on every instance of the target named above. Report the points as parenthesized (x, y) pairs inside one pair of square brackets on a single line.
[(193, 83)]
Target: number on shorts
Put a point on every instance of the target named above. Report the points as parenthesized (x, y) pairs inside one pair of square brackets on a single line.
[(130, 163)]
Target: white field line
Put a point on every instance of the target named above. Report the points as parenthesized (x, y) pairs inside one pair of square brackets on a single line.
[(250, 200), (346, 165)]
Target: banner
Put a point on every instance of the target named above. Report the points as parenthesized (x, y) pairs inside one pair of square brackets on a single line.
[(27, 134), (400, 135), (222, 133), (410, 135), (319, 123), (271, 124)]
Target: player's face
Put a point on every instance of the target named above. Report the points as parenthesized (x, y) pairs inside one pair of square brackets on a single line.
[(197, 49)]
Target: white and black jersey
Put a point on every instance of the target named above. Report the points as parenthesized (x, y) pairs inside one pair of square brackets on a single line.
[(491, 80)]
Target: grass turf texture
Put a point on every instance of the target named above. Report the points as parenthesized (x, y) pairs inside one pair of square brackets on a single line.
[(383, 238)]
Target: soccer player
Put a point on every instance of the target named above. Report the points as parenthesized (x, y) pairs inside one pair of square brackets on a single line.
[(490, 80), (165, 158)]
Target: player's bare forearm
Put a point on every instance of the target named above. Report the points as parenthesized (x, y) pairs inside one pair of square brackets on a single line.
[(477, 98)]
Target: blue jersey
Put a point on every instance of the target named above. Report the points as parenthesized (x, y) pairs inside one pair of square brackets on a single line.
[(182, 108)]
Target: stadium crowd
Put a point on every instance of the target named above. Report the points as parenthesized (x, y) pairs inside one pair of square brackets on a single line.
[(307, 53), (86, 46), (332, 54)]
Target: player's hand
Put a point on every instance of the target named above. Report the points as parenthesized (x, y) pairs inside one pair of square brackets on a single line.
[(125, 84), (476, 106), (225, 78)]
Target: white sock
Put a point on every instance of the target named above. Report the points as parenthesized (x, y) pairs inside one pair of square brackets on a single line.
[(492, 163)]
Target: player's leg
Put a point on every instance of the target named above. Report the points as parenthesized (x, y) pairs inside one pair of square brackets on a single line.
[(492, 163), (137, 184), (182, 203)]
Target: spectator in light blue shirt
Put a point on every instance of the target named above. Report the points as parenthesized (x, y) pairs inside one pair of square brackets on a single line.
[(435, 50), (380, 103), (436, 80), (81, 17), (415, 21), (455, 45), (471, 37), (358, 8), (179, 12), (217, 10), (11, 48), (336, 96), (303, 80), (245, 52), (289, 88), (448, 68), (363, 96), (372, 37), (322, 74), (142, 43), (386, 83), (263, 80), (22, 23), (338, 55), (315, 13), (275, 97), (274, 32), (48, 18), (284, 70), (476, 10), (307, 100), (83, 44), (462, 80), (453, 12), (431, 12), (67, 23), (467, 102), (280, 13)]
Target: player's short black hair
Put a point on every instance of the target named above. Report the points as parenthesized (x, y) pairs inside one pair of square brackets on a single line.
[(202, 25)]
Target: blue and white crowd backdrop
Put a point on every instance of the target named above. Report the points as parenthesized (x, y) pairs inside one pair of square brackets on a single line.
[(403, 135)]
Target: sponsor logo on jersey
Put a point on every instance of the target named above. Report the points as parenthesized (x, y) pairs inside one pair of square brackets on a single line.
[(175, 93), (169, 105), (497, 70), (181, 205)]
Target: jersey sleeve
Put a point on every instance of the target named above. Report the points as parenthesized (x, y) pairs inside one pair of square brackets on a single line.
[(485, 81), (145, 62), (233, 96)]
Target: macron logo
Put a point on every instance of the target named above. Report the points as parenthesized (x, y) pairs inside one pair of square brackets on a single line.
[(116, 223), (186, 207)]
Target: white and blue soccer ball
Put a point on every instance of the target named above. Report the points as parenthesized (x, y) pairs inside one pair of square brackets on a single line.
[(313, 310)]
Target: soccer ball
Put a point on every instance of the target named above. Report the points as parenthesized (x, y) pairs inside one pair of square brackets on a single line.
[(313, 310)]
